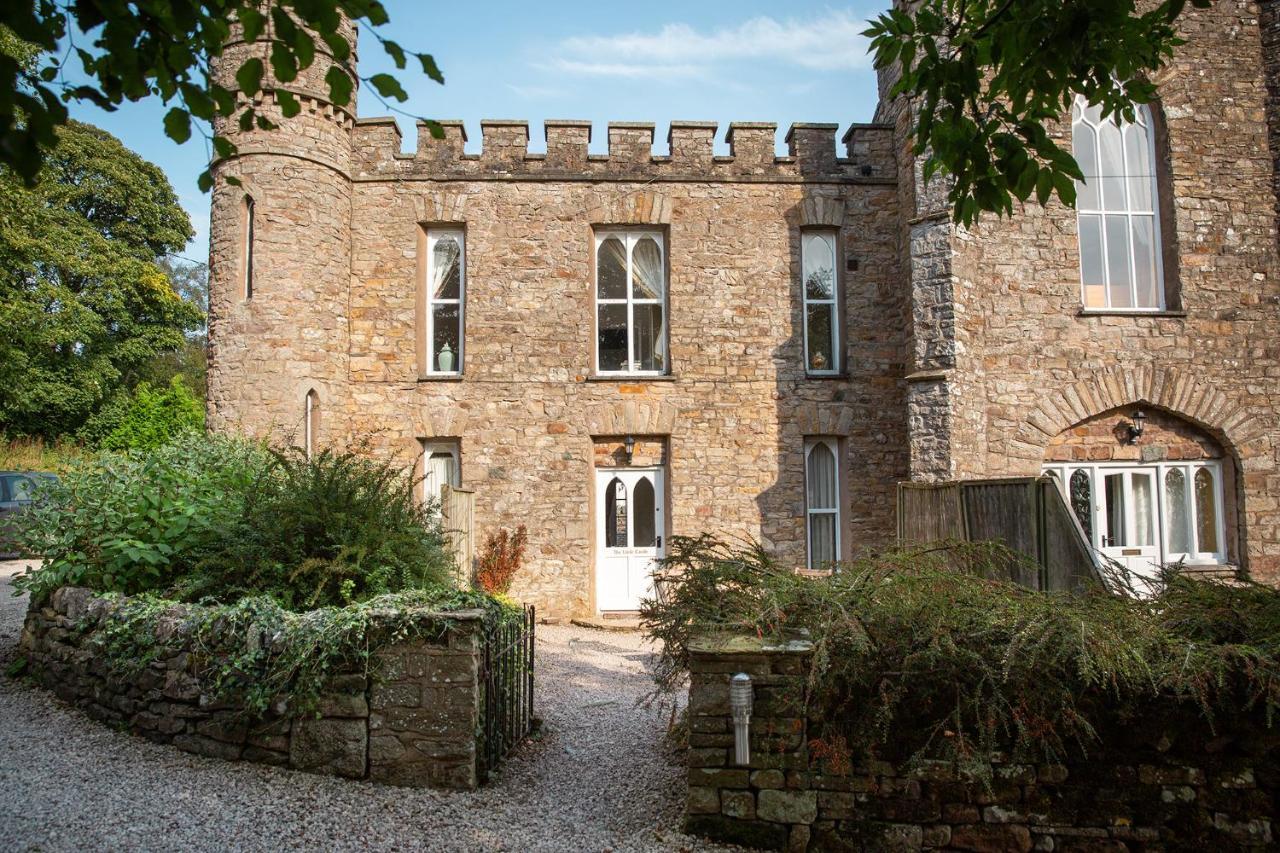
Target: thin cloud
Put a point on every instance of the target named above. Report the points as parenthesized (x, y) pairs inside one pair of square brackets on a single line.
[(830, 42), (532, 92)]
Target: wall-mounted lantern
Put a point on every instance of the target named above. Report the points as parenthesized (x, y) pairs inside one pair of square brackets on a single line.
[(740, 698), (1136, 426), (629, 447)]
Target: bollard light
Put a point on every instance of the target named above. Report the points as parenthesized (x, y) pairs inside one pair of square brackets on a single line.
[(740, 698)]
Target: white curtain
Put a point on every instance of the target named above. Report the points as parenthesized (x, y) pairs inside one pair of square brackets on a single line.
[(647, 272), (1206, 512), (441, 469), (1144, 510), (444, 262), (822, 477), (1178, 522)]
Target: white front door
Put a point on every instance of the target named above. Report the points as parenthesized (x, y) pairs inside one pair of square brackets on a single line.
[(1128, 519), (629, 535)]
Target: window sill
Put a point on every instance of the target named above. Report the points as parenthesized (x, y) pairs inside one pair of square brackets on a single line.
[(819, 377), (631, 379), (1128, 312), (441, 377)]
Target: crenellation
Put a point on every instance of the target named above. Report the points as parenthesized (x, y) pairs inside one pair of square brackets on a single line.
[(751, 144), (567, 141), (446, 149), (813, 146), (692, 142), (504, 143), (870, 146), (630, 142)]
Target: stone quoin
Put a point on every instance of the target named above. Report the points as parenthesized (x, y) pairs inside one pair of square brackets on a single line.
[(783, 338)]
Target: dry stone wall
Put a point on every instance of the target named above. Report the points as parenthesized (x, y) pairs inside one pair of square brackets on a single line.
[(1166, 783), (411, 720)]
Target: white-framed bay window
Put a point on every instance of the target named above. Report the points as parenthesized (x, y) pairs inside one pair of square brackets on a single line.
[(446, 300), (631, 303), (1118, 210), (821, 289), (1149, 514), (822, 501), (441, 466)]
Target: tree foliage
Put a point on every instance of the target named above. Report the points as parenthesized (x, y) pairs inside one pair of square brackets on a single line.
[(83, 304), (988, 78), (163, 48)]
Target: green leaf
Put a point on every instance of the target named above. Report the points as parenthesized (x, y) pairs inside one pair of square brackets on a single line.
[(249, 76), (395, 51), (177, 125), (430, 68), (388, 87), (340, 85), (252, 20), (289, 106)]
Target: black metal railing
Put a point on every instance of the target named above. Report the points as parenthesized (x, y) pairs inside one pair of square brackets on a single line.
[(506, 680)]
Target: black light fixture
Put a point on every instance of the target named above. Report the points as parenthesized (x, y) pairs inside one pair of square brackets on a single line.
[(629, 447), (1136, 427)]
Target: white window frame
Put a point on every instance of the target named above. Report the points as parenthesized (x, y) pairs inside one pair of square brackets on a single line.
[(629, 238), (832, 444), (1157, 238), (430, 448), (837, 348), (434, 236), (1097, 470)]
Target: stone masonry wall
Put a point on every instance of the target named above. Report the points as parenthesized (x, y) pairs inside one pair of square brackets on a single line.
[(1029, 364), (411, 722), (1167, 784)]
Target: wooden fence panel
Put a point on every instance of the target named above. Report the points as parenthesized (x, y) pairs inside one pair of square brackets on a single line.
[(928, 512), (1026, 513), (1070, 563), (457, 517)]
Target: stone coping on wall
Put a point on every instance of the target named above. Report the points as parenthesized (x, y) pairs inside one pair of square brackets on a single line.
[(411, 720), (1159, 786)]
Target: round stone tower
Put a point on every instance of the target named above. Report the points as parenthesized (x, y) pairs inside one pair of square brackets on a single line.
[(280, 258)]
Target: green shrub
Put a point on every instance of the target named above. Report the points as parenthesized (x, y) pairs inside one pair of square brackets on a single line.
[(134, 522), (919, 654), (219, 519), (328, 530), (145, 419)]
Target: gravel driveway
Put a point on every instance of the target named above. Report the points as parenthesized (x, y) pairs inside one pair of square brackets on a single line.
[(597, 780)]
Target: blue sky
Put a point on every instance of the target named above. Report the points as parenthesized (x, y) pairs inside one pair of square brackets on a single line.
[(602, 61)]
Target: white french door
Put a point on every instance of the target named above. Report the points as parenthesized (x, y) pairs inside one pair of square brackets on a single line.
[(1143, 516), (629, 535)]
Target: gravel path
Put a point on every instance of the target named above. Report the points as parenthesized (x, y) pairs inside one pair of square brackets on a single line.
[(597, 779)]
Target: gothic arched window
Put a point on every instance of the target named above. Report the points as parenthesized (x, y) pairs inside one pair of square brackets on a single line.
[(1118, 210)]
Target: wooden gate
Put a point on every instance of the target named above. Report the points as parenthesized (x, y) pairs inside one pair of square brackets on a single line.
[(457, 517)]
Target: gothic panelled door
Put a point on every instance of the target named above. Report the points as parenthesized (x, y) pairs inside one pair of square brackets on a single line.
[(629, 535)]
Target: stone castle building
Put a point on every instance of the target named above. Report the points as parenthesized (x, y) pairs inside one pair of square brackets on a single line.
[(612, 349)]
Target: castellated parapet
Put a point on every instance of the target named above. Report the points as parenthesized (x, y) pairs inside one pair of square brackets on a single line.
[(812, 153)]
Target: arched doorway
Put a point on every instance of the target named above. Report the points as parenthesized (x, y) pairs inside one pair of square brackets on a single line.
[(1149, 489)]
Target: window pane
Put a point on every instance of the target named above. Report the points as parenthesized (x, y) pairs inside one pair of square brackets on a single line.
[(613, 337), (1111, 164), (1114, 535), (441, 469), (822, 539), (1091, 267), (615, 514), (1082, 501), (1141, 178), (446, 271), (444, 348), (822, 477), (1085, 148), (1144, 262), (1175, 498), (646, 270), (611, 270), (1144, 509), (1206, 512), (649, 344), (819, 267), (818, 321), (645, 531), (1118, 261)]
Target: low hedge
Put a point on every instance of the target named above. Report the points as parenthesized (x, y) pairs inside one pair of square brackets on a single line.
[(927, 654)]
